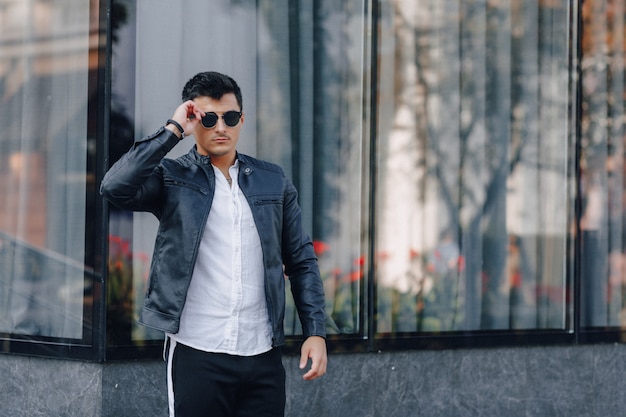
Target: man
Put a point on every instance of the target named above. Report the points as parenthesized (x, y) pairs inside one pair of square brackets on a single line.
[(229, 231)]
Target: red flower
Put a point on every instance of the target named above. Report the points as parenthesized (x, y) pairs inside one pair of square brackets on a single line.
[(516, 280), (355, 276), (115, 239), (461, 264), (320, 247)]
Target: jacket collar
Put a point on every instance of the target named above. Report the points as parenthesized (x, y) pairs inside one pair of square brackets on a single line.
[(206, 159), (196, 157)]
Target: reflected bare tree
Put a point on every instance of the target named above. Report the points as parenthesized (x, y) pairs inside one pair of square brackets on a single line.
[(472, 94)]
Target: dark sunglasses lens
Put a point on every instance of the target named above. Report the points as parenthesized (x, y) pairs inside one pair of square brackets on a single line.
[(231, 118), (209, 120)]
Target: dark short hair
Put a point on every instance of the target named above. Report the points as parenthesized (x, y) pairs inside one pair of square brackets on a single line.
[(211, 84)]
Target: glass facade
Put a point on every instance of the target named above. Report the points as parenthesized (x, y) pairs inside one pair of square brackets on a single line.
[(459, 163), (602, 171), (473, 151), (49, 68)]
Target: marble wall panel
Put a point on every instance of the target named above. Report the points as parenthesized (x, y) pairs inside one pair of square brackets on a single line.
[(135, 389), (33, 387), (572, 381)]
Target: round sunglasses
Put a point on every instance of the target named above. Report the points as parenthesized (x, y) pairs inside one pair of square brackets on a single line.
[(231, 118)]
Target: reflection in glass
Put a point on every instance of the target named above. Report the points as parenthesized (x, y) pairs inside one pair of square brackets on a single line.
[(471, 225), (44, 178), (602, 222)]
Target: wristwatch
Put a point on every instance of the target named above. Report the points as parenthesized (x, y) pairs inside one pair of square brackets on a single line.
[(178, 126)]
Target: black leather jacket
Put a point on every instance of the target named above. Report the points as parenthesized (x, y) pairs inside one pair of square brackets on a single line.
[(179, 193)]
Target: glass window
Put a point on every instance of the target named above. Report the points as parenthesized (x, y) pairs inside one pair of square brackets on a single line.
[(602, 170), (473, 148), (301, 69), (48, 54), (468, 213)]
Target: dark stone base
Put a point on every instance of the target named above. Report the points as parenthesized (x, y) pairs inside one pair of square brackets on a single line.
[(536, 381)]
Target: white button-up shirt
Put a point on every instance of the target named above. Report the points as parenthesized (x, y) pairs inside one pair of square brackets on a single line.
[(226, 310)]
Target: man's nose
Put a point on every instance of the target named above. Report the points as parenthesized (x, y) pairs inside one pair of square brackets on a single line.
[(220, 126)]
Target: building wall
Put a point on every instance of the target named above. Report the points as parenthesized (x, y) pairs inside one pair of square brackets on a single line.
[(572, 381)]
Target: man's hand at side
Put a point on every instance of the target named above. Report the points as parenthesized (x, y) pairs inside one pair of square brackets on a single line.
[(314, 348)]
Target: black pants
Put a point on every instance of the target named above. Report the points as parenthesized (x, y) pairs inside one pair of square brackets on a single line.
[(203, 384)]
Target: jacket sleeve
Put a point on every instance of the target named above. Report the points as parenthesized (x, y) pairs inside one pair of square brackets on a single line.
[(302, 269), (134, 182)]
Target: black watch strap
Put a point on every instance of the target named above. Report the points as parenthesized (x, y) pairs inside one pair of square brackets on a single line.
[(178, 126)]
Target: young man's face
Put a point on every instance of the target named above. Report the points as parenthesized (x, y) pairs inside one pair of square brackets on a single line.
[(219, 141)]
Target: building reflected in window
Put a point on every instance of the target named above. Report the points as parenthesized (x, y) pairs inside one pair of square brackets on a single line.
[(46, 57)]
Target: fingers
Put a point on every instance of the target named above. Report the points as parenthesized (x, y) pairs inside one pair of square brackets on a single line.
[(188, 114), (193, 111), (314, 348), (314, 373)]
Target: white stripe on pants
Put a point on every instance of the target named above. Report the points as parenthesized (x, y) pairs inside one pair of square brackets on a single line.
[(169, 350)]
